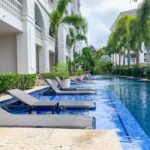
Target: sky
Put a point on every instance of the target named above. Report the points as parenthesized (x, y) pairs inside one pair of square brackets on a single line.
[(101, 14)]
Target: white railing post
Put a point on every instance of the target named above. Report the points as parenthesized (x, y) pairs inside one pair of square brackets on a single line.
[(38, 32)]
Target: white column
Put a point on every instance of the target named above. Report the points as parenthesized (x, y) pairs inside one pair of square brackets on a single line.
[(62, 44), (26, 50), (44, 56)]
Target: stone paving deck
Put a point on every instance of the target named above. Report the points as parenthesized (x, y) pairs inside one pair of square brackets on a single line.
[(57, 139)]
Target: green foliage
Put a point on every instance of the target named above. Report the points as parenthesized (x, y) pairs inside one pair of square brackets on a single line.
[(58, 16), (20, 81), (84, 61), (143, 17), (79, 72), (60, 70), (126, 37), (77, 21), (74, 37), (148, 73), (137, 72), (134, 71), (103, 68)]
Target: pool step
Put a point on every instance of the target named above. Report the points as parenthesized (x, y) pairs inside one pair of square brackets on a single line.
[(77, 104)]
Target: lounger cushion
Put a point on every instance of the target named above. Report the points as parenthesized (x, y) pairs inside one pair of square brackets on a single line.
[(48, 121)]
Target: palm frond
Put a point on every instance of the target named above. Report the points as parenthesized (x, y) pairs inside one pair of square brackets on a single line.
[(81, 37), (55, 18), (62, 6), (77, 21)]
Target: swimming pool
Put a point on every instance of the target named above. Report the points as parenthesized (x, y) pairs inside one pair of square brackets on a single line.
[(110, 112)]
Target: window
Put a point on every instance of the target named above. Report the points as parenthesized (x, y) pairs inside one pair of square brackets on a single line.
[(145, 57), (68, 41), (51, 1)]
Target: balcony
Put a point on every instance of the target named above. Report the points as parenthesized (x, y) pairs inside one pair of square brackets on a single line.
[(48, 4), (38, 35), (14, 7), (51, 44)]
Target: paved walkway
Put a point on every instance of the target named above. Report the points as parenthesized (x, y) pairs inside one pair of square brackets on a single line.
[(57, 139)]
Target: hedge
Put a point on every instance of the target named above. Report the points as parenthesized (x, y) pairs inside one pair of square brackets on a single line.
[(133, 71), (52, 75), (148, 73), (20, 81)]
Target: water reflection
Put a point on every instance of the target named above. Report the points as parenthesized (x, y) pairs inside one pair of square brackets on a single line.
[(136, 97)]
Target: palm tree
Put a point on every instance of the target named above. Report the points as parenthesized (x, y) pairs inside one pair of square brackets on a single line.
[(134, 36), (76, 37), (58, 16), (118, 42), (143, 17)]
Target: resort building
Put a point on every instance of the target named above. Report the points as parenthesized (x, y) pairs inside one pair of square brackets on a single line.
[(143, 54), (26, 45)]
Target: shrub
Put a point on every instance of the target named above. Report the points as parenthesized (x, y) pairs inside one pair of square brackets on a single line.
[(148, 73), (129, 72), (79, 72), (138, 72), (53, 74), (20, 81), (60, 70), (103, 68), (133, 71)]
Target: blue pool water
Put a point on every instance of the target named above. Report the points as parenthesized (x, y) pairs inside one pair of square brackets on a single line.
[(113, 94)]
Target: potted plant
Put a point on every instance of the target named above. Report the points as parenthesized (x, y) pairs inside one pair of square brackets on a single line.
[(61, 71), (80, 73)]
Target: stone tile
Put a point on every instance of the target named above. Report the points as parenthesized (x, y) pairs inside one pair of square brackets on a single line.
[(57, 139)]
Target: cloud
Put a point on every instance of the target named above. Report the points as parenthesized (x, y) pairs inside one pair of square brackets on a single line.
[(101, 15)]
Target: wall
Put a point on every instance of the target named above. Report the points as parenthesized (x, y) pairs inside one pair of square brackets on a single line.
[(8, 56)]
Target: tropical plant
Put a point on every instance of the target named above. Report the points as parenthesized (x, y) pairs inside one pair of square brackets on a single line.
[(126, 37), (76, 37), (58, 17), (143, 17), (134, 36), (60, 70)]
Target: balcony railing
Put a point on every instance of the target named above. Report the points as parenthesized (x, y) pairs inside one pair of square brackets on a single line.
[(133, 60), (38, 32), (14, 7), (52, 41)]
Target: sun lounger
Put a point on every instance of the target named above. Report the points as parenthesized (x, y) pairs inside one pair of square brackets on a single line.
[(71, 89), (84, 81), (34, 103), (57, 91), (31, 101), (46, 121)]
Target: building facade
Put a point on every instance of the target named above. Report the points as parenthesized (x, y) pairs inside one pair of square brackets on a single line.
[(25, 43), (121, 60)]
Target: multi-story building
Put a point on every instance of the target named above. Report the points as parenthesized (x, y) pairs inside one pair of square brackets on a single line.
[(143, 54), (25, 43)]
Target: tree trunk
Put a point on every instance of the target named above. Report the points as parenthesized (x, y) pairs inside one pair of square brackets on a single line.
[(119, 60), (124, 59), (116, 60), (129, 61), (147, 56), (56, 49), (113, 55), (137, 58), (124, 56)]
